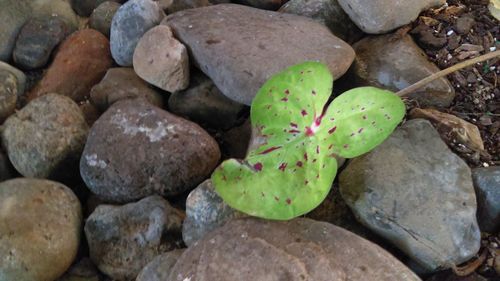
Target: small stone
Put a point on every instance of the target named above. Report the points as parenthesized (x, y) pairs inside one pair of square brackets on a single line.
[(487, 185), (80, 63), (40, 225), (102, 16), (162, 157), (129, 23), (37, 39), (45, 138), (123, 239), (204, 104), (464, 24), (8, 94), (20, 77), (205, 211), (159, 268), (14, 13), (408, 183), (122, 83), (85, 7), (161, 60), (381, 16), (55, 8)]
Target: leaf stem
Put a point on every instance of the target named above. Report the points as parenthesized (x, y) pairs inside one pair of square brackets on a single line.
[(410, 89)]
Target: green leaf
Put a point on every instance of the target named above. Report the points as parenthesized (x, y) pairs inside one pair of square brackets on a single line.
[(291, 162)]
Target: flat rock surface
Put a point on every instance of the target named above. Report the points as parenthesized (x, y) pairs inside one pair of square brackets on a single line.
[(413, 191), (240, 47)]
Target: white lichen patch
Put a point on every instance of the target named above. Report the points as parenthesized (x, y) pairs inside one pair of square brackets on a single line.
[(93, 161), (131, 128)]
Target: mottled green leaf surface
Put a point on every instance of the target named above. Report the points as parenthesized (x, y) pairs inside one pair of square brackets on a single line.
[(290, 165)]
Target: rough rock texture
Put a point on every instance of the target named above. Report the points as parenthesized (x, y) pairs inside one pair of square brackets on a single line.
[(14, 13), (410, 182), (381, 16), (129, 23), (122, 83), (102, 16), (40, 224), (203, 103), (161, 60), (85, 7), (245, 46), (46, 137), (20, 77), (487, 185), (205, 211), (8, 94), (326, 12), (301, 249), (161, 156), (80, 63), (159, 268), (383, 61), (36, 40), (123, 239)]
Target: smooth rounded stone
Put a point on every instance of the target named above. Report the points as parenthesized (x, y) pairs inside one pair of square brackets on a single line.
[(159, 268), (81, 62), (122, 83), (381, 16), (203, 103), (14, 13), (205, 211), (101, 17), (84, 8), (161, 60), (179, 5), (166, 154), (245, 46), (20, 76), (326, 12), (129, 23), (84, 270), (394, 63), (45, 138), (37, 39), (300, 249), (58, 8), (8, 94), (40, 224), (123, 239), (410, 182), (487, 185)]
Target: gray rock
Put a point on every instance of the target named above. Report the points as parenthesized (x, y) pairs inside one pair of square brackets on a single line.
[(159, 268), (395, 63), (300, 249), (46, 137), (413, 191), (203, 103), (123, 239), (205, 211), (37, 40), (83, 270), (245, 46), (85, 7), (162, 157), (161, 60), (464, 24), (179, 5), (328, 13), (381, 16), (101, 17), (487, 185), (129, 23), (58, 8), (8, 94), (14, 13), (122, 83), (40, 226), (20, 77)]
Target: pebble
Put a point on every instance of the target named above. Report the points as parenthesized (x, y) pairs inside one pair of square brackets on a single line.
[(161, 60), (84, 8), (101, 17), (14, 13), (8, 94)]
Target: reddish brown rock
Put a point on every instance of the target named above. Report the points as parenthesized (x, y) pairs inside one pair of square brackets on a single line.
[(80, 63)]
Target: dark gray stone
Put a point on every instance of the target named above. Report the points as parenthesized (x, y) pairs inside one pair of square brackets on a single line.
[(14, 13), (487, 185), (129, 23), (102, 16), (159, 268), (36, 41), (85, 7), (245, 46), (123, 239), (203, 103), (136, 149), (413, 191)]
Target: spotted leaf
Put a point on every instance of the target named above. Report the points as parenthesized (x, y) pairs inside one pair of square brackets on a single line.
[(291, 163)]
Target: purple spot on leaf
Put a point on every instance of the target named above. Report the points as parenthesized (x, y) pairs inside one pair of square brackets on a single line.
[(282, 167), (273, 148), (258, 166)]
